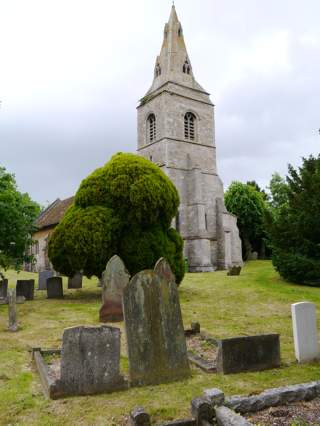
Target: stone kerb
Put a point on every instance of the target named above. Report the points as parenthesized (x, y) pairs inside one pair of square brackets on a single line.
[(155, 337), (305, 333), (90, 360), (113, 281)]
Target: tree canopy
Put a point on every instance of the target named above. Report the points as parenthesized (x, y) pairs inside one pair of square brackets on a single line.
[(17, 215), (295, 231), (124, 208), (248, 204)]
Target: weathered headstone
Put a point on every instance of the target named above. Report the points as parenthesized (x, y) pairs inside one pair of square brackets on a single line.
[(12, 311), (42, 279), (3, 288), (114, 280), (54, 288), (305, 333), (249, 353), (25, 288), (155, 337), (90, 360), (234, 271), (75, 281)]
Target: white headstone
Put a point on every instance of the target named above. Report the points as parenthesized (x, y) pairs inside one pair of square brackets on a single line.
[(305, 334)]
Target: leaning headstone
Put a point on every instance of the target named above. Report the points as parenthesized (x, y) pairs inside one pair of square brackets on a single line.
[(42, 279), (234, 271), (305, 333), (25, 288), (155, 337), (54, 288), (12, 311), (3, 288), (249, 353), (90, 360), (114, 280), (75, 281)]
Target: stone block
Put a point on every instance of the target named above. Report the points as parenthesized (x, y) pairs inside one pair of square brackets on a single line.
[(54, 288), (155, 337), (114, 279), (305, 333), (90, 360), (75, 281), (42, 279), (202, 410), (139, 417), (227, 417), (250, 353), (3, 288), (25, 288), (216, 396)]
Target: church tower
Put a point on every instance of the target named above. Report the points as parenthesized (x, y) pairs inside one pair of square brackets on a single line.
[(176, 131)]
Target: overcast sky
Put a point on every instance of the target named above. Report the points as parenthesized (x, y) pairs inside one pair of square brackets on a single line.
[(72, 71)]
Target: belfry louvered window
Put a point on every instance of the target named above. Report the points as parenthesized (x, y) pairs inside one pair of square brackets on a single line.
[(186, 67), (189, 126), (151, 128)]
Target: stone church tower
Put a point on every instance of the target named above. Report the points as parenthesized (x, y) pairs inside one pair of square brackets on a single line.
[(176, 131)]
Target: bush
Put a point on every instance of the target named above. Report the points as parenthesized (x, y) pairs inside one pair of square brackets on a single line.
[(123, 208)]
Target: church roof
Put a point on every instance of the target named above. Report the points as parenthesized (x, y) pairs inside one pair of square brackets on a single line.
[(173, 64), (53, 214)]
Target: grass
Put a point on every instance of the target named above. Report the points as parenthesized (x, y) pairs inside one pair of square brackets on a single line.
[(257, 301)]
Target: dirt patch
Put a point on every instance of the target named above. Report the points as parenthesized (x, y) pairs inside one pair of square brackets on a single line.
[(198, 345), (304, 413)]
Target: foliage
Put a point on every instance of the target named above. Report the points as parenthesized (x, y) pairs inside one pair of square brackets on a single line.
[(17, 215), (278, 192), (124, 208), (295, 231), (249, 206)]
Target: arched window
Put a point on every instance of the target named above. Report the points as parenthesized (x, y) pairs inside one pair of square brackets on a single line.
[(186, 67), (180, 32), (189, 126), (157, 70), (151, 128)]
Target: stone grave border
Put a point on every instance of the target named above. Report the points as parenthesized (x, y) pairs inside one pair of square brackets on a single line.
[(50, 387), (214, 408)]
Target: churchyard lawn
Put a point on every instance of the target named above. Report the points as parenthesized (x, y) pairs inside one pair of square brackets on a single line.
[(257, 301)]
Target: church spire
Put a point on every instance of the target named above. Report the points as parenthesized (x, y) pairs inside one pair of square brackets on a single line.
[(173, 63)]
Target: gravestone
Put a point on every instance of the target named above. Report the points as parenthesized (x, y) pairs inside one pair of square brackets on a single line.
[(75, 281), (90, 360), (42, 279), (305, 333), (234, 271), (12, 310), (3, 288), (25, 288), (114, 279), (249, 353), (54, 288), (155, 337)]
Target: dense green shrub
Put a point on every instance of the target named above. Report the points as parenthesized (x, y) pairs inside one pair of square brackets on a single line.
[(295, 231), (123, 208)]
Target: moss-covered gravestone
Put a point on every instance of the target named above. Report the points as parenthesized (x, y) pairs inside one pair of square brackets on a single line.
[(155, 337), (114, 280)]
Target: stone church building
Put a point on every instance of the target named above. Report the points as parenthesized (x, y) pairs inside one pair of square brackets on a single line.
[(176, 131)]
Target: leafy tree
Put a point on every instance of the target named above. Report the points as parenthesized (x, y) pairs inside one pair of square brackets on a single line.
[(125, 208), (295, 232), (249, 206), (17, 215), (278, 192), (257, 188)]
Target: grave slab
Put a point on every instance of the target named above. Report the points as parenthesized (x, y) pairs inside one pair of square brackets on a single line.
[(75, 282), (305, 333), (42, 279), (249, 353), (3, 288), (54, 288), (25, 288)]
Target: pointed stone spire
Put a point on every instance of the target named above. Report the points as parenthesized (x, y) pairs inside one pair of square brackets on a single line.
[(173, 63)]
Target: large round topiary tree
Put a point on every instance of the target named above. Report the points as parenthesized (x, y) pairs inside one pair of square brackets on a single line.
[(124, 208)]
